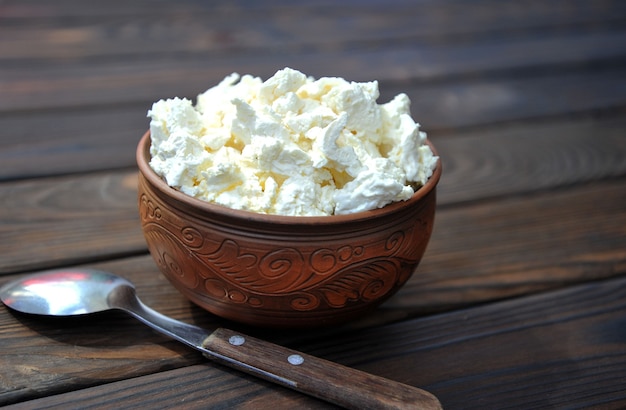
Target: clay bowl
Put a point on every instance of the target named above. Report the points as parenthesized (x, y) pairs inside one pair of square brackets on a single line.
[(282, 271)]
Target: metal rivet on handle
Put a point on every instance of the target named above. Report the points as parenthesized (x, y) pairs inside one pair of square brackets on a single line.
[(237, 340), (295, 359)]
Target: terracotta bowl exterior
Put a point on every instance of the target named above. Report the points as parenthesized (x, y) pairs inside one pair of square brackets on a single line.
[(282, 271)]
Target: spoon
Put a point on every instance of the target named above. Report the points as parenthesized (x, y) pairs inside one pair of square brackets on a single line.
[(79, 292)]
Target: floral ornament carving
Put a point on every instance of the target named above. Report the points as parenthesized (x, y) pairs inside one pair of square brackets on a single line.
[(148, 209), (334, 278), (235, 269)]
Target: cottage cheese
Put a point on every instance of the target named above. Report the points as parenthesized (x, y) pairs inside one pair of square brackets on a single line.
[(291, 145)]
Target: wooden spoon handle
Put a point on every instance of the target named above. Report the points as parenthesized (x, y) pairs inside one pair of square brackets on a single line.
[(317, 377)]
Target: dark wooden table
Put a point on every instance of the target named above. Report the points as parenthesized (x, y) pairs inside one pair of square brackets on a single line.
[(520, 301)]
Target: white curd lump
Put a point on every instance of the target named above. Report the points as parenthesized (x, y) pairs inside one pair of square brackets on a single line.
[(290, 145)]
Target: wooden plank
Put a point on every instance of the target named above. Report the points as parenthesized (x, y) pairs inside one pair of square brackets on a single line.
[(85, 83), (87, 139), (24, 11), (52, 215), (225, 390), (544, 351), (48, 143), (82, 136), (46, 222), (134, 30), (494, 101), (32, 9), (478, 253), (514, 158), (558, 349), (521, 244), (527, 113)]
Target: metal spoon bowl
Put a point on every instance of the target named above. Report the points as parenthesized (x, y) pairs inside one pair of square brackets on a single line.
[(80, 292)]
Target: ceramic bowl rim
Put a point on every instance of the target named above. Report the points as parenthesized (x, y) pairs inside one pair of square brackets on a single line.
[(143, 155)]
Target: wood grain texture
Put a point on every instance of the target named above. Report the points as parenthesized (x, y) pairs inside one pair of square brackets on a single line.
[(479, 253), (516, 159), (73, 78), (44, 144), (520, 299), (206, 385), (48, 144), (337, 384), (72, 112), (524, 244), (560, 345), (156, 30), (83, 83), (552, 350), (47, 221), (54, 214)]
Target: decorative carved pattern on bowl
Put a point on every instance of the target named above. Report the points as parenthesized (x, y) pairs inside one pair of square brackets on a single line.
[(302, 279)]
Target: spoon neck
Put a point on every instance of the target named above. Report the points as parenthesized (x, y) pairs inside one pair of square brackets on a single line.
[(125, 298)]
